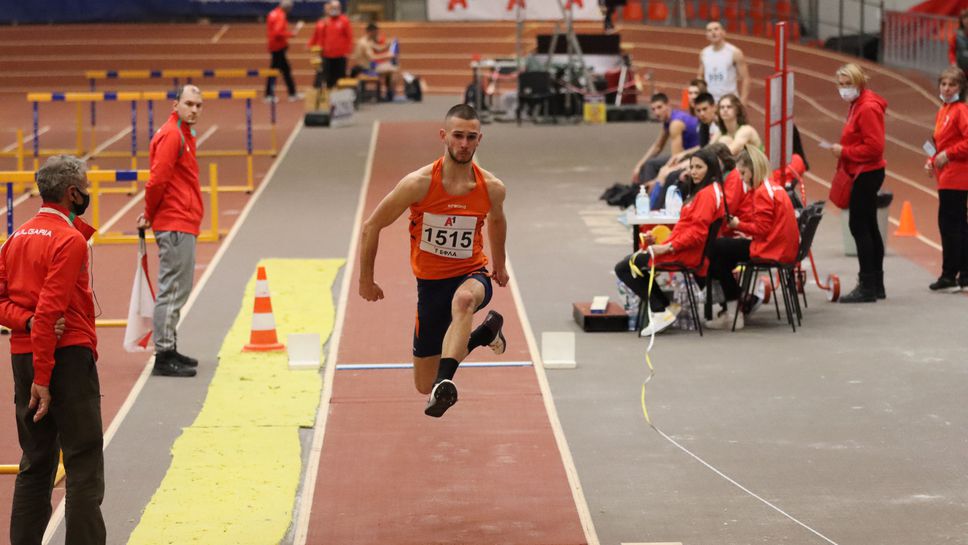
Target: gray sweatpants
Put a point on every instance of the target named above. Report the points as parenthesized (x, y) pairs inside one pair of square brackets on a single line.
[(176, 273)]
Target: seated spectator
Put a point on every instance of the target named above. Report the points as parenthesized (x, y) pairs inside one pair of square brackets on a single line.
[(703, 205), (677, 165), (375, 56), (736, 190), (679, 130), (772, 226), (696, 87), (735, 130)]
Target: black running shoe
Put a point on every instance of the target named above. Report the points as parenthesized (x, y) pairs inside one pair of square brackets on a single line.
[(167, 365), (185, 360), (943, 283), (442, 397), (494, 323)]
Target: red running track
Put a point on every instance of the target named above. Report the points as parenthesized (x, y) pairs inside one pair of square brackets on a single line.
[(488, 471)]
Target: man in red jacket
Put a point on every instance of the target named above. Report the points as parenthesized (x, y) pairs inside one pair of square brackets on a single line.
[(278, 34), (46, 302), (333, 37), (173, 210)]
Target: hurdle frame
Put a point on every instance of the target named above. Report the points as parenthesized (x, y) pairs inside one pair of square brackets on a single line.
[(149, 97)]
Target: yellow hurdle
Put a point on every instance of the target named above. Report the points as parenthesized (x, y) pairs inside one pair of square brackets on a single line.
[(148, 96), (213, 234)]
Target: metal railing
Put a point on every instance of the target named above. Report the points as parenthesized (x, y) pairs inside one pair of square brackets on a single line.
[(917, 40)]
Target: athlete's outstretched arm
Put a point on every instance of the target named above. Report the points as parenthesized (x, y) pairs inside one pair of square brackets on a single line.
[(407, 192), (497, 231)]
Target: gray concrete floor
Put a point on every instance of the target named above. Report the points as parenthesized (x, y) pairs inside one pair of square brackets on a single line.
[(853, 425)]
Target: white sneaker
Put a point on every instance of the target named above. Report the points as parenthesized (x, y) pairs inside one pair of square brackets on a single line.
[(760, 294), (269, 99), (661, 321), (296, 97), (724, 320), (442, 397)]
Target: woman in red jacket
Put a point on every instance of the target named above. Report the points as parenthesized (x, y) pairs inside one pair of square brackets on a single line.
[(860, 154), (686, 244), (950, 167), (772, 226)]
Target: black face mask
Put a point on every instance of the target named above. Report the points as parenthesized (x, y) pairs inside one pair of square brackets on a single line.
[(79, 209)]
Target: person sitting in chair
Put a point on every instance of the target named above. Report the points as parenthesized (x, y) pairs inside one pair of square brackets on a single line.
[(772, 226), (686, 245), (375, 56)]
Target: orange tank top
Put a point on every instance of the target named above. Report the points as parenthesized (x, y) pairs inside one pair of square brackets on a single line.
[(445, 229)]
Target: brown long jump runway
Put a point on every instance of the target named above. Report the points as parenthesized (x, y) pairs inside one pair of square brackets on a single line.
[(489, 471)]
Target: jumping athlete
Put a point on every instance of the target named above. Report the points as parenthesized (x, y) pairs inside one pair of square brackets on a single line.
[(449, 201)]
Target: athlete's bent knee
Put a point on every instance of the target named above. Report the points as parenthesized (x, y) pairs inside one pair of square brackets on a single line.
[(464, 301)]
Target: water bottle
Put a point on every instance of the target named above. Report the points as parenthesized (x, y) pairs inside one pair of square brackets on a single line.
[(673, 200), (625, 295), (642, 202)]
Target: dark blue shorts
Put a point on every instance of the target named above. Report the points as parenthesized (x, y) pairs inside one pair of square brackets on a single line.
[(434, 298)]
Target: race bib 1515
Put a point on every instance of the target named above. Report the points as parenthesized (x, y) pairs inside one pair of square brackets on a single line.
[(448, 236)]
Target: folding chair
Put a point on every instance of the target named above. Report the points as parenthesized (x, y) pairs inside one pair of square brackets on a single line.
[(688, 271), (808, 223), (534, 88)]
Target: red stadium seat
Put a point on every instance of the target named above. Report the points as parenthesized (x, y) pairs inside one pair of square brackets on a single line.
[(658, 11), (784, 10), (633, 11)]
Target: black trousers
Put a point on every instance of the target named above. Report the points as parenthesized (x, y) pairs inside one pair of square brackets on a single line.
[(651, 168), (640, 284), (332, 70), (863, 221), (72, 425), (280, 63), (953, 225), (726, 254)]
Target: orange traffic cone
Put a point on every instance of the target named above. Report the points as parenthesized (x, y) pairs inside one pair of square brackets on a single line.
[(263, 337), (906, 227)]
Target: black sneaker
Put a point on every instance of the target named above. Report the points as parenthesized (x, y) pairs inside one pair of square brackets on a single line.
[(185, 360), (494, 323), (963, 280), (442, 397), (943, 283), (168, 365)]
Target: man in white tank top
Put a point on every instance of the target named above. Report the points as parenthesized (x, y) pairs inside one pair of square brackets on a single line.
[(723, 66)]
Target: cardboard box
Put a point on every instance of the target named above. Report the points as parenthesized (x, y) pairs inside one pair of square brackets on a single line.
[(613, 319)]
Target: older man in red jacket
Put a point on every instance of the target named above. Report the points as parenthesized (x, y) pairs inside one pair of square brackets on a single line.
[(46, 302), (277, 35), (173, 210), (333, 38)]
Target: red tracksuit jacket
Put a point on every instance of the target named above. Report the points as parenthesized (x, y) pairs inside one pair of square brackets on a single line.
[(951, 137), (688, 238), (173, 197), (44, 274), (277, 30), (863, 136), (739, 199), (773, 225), (334, 35)]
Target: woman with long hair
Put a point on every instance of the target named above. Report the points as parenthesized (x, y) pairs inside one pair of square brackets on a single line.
[(949, 166), (686, 244), (771, 226), (860, 155), (734, 127)]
